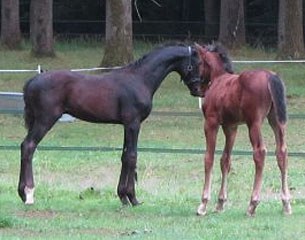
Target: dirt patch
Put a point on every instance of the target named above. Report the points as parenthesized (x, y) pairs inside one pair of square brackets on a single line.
[(92, 177), (49, 234), (43, 214), (270, 194), (21, 233), (99, 232)]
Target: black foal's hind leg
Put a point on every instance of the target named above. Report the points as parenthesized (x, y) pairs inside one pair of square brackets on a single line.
[(126, 187), (28, 147)]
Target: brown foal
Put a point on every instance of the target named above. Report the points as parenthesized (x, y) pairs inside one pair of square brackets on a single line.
[(230, 100)]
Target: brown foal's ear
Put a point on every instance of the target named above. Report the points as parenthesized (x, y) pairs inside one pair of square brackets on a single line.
[(198, 47), (201, 49)]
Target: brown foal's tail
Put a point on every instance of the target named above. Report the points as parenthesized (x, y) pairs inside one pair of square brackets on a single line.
[(278, 94), (28, 111)]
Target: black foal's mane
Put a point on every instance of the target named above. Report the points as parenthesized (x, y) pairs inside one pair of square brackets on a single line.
[(139, 61)]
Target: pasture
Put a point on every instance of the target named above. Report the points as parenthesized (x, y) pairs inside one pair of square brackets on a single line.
[(76, 188)]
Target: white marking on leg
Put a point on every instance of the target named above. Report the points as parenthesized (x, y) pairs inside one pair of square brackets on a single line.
[(202, 209), (29, 195)]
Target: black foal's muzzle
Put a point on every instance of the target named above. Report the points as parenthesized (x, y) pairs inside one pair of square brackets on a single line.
[(194, 85), (194, 80)]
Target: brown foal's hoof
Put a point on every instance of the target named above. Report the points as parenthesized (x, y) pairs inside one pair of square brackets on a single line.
[(251, 209), (220, 205), (287, 208), (202, 210)]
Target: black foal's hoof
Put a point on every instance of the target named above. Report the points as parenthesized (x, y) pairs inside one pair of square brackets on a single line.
[(21, 194), (133, 200), (136, 203), (26, 194), (125, 201)]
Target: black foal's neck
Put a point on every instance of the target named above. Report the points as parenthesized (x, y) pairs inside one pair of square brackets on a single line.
[(158, 64)]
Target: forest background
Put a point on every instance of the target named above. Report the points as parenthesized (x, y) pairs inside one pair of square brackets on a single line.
[(276, 24)]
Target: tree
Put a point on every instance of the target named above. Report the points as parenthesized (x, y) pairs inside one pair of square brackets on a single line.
[(10, 24), (118, 46), (211, 16), (185, 10), (232, 23), (41, 28), (290, 29)]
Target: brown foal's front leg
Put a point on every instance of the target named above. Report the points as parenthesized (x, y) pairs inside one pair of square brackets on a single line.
[(225, 164), (210, 129)]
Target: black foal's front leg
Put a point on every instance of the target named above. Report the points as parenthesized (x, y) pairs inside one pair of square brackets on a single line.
[(123, 181), (126, 187), (26, 181)]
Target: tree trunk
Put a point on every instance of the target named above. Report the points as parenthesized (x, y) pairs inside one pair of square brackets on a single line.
[(118, 47), (41, 28), (10, 24), (185, 10), (232, 23), (211, 15), (290, 29)]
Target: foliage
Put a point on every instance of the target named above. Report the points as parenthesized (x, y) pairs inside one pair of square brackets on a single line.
[(75, 17)]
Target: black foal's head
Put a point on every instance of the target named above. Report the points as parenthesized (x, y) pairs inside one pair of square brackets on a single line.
[(189, 71)]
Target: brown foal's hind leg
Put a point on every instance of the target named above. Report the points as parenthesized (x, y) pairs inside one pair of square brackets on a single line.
[(259, 153), (225, 164), (210, 130), (282, 160)]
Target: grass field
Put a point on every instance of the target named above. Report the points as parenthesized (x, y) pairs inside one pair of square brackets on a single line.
[(76, 190)]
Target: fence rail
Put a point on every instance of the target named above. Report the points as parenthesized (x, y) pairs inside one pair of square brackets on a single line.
[(142, 149), (39, 68)]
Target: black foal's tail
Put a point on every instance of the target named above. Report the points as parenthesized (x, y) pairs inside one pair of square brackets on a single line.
[(28, 110), (278, 93)]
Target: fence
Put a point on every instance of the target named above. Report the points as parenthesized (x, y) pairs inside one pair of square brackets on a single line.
[(12, 103)]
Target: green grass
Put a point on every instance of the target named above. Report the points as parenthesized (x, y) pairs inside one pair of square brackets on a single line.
[(76, 190), (76, 198)]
